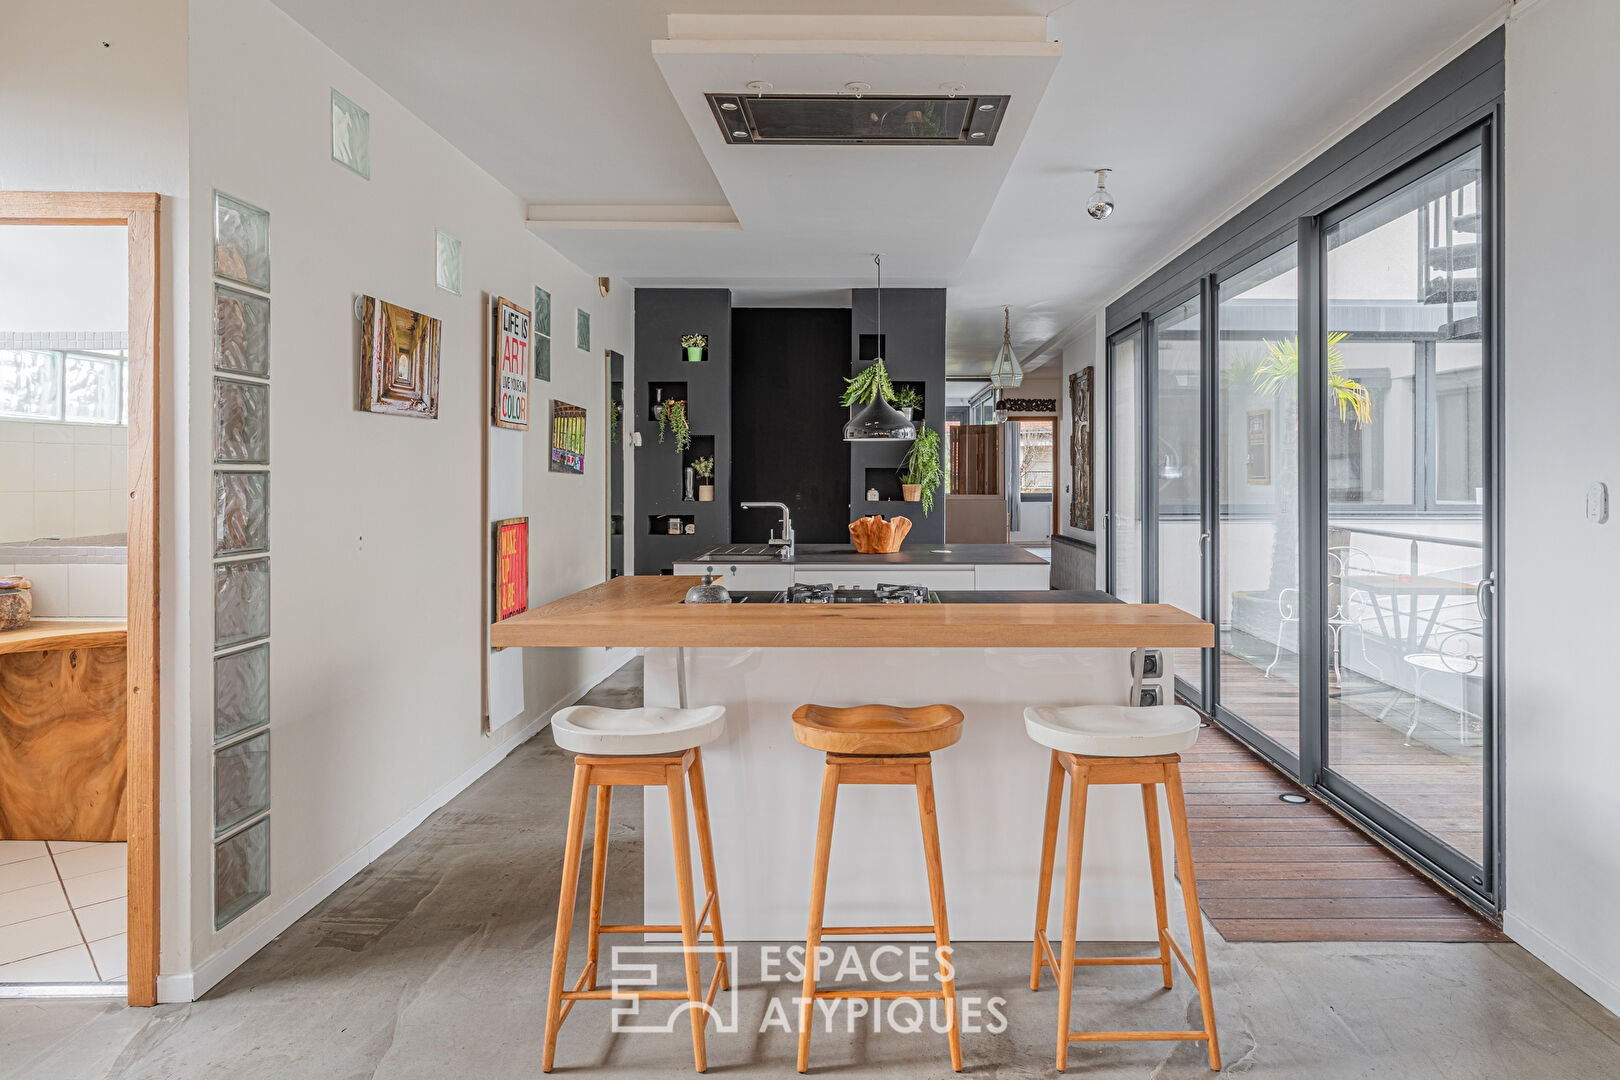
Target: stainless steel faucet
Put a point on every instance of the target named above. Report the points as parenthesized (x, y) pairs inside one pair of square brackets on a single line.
[(786, 542)]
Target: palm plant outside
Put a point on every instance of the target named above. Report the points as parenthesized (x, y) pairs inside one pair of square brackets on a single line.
[(1277, 373)]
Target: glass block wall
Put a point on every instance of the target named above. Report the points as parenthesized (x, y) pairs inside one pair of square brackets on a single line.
[(241, 535)]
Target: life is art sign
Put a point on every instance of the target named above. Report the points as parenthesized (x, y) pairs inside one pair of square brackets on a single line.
[(511, 567), (511, 365)]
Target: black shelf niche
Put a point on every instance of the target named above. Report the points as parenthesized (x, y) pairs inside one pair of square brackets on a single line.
[(658, 524), (660, 392), (887, 482), (702, 446)]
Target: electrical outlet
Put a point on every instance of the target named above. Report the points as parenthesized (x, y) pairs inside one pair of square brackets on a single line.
[(1150, 696), (1152, 664), (1597, 503)]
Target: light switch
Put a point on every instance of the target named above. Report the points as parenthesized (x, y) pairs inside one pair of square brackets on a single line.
[(1597, 503)]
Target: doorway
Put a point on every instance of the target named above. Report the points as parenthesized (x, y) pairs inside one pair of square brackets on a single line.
[(87, 395)]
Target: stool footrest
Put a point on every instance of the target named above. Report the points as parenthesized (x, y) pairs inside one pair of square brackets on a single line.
[(1050, 960), (878, 930), (885, 995), (1138, 1036)]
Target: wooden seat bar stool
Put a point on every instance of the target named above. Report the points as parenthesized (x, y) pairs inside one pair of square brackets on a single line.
[(650, 747), (878, 744), (1117, 744)]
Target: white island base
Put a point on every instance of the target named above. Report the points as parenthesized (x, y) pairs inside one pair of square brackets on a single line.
[(990, 789)]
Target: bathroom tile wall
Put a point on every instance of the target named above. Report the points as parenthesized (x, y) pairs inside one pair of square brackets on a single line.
[(61, 479)]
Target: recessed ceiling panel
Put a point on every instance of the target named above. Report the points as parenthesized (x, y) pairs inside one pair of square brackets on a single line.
[(849, 120)]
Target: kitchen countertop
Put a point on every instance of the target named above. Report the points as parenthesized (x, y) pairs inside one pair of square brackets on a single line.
[(918, 555), (648, 612), (41, 634)]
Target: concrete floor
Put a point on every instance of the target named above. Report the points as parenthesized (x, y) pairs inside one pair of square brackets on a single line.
[(433, 963)]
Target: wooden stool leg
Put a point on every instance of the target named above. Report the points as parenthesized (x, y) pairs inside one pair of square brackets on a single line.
[(565, 910), (711, 881), (599, 843), (1150, 812), (1071, 909), (1043, 882), (675, 781), (818, 903), (1195, 917), (936, 899)]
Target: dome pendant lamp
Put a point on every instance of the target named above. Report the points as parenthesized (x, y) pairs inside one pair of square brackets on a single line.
[(878, 421), (1006, 372)]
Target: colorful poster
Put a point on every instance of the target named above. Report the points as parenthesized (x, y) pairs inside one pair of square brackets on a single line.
[(511, 567), (511, 365), (567, 438), (399, 360)]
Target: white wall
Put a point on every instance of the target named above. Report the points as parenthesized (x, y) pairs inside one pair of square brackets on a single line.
[(81, 116), (376, 533), (1562, 574)]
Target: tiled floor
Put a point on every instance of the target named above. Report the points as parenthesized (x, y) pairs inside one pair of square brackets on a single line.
[(62, 912)]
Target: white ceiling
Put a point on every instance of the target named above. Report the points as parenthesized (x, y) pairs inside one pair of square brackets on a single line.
[(1194, 104)]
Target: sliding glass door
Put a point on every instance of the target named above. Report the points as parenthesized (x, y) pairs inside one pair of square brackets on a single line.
[(1257, 418), (1406, 618), (1302, 451)]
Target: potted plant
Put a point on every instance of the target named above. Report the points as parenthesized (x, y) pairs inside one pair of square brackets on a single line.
[(704, 467), (909, 400), (696, 346), (921, 471), (867, 384), (673, 418)]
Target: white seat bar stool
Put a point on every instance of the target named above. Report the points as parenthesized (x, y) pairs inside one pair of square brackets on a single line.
[(1117, 744), (649, 747)]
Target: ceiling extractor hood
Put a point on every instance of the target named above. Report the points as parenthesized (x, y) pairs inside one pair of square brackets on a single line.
[(867, 120)]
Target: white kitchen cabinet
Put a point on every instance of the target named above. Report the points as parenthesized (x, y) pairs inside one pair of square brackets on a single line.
[(1012, 577)]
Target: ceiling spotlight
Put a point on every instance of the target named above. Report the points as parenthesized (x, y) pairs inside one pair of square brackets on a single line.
[(987, 107), (729, 106), (739, 134), (976, 135), (1101, 204)]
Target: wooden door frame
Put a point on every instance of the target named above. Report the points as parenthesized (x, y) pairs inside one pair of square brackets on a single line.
[(1056, 439), (138, 212)]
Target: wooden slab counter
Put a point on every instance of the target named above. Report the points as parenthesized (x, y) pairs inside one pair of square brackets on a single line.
[(648, 612)]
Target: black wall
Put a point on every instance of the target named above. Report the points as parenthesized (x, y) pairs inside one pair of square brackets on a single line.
[(914, 352), (662, 317), (788, 367)]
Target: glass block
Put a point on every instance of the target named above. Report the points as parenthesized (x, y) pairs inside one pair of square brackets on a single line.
[(351, 135), (582, 329), (241, 872), (241, 782), (542, 311), (447, 261), (241, 242), (241, 422), (32, 384), (241, 332), (241, 512), (241, 601), (241, 691), (93, 389)]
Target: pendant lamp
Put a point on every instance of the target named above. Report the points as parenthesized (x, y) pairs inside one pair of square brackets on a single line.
[(878, 421), (1006, 372)]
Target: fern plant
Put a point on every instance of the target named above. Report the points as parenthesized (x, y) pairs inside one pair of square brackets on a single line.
[(867, 384), (922, 466)]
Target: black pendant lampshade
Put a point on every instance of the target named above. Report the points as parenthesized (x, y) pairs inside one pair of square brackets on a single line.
[(878, 420)]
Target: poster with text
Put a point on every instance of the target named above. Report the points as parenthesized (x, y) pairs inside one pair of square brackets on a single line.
[(511, 406), (511, 567)]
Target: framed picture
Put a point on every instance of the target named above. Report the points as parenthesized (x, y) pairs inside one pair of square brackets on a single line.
[(582, 329), (1257, 442), (511, 405), (399, 360), (567, 438), (1082, 495), (511, 567)]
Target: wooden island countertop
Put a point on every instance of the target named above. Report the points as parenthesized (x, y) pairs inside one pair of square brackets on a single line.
[(648, 612)]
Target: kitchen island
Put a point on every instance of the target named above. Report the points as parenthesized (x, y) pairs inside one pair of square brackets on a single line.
[(762, 660)]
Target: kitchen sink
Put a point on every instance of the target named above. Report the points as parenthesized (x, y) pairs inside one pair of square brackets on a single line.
[(740, 553)]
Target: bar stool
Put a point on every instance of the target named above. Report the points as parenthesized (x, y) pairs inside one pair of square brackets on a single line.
[(878, 744), (1118, 744), (651, 747)]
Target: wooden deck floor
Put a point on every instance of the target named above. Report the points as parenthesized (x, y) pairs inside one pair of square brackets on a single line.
[(1274, 871)]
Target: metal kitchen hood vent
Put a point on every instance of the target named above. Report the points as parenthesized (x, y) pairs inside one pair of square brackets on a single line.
[(870, 120)]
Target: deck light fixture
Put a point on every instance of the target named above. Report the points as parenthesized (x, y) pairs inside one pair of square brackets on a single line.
[(1101, 204)]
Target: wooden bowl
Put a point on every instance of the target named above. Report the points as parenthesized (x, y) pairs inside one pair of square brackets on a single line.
[(874, 536)]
